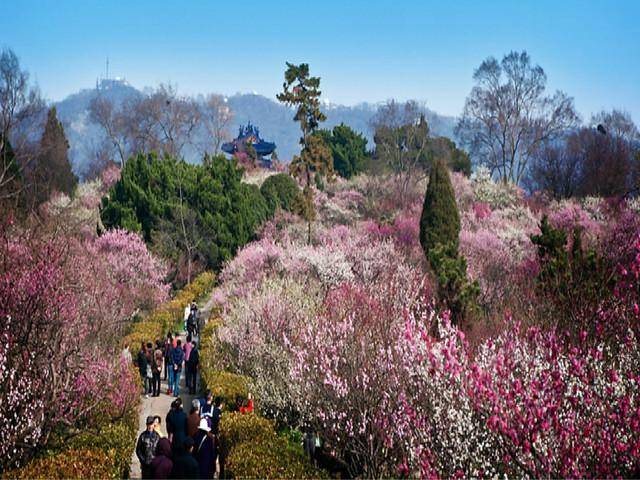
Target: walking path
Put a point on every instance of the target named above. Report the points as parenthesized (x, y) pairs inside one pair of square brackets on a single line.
[(161, 405)]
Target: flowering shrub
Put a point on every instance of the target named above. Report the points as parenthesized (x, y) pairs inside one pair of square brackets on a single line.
[(495, 194), (560, 410), (343, 334)]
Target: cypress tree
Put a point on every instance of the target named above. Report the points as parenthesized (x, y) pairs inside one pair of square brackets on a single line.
[(440, 222), (53, 169), (439, 230)]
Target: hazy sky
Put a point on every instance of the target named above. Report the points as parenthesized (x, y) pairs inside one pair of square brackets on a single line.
[(363, 50)]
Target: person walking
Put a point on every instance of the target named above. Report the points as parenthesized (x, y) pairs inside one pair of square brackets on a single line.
[(192, 368), (193, 420), (149, 373), (169, 419), (168, 344), (162, 463), (216, 414), (158, 358), (146, 448), (205, 450), (187, 312), (179, 424), (177, 357), (184, 463), (142, 364), (168, 359)]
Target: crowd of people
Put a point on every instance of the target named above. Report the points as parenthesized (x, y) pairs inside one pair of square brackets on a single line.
[(169, 358), (190, 450)]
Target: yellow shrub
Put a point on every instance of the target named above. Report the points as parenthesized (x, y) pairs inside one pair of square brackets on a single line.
[(72, 463)]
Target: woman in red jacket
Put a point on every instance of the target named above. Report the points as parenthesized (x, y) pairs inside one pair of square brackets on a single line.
[(247, 405)]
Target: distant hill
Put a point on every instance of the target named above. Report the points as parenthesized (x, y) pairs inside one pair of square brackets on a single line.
[(274, 120)]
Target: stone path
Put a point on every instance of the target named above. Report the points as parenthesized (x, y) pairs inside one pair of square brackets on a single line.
[(161, 405)]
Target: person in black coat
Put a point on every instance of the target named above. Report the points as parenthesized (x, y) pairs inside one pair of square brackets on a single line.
[(205, 450), (178, 425), (192, 368), (184, 463)]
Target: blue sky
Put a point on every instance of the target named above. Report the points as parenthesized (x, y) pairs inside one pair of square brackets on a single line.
[(363, 50)]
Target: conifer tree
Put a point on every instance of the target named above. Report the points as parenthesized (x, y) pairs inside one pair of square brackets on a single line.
[(440, 222), (52, 171), (302, 91), (439, 231)]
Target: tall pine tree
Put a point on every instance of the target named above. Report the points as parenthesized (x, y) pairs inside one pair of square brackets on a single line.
[(302, 91), (52, 171)]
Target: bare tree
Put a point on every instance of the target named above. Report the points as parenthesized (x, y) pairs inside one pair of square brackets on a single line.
[(507, 116), (617, 123), (117, 128), (162, 121), (216, 118), (20, 106), (402, 140), (173, 120), (555, 169)]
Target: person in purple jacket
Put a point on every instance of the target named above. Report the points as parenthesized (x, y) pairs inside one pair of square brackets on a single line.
[(162, 463)]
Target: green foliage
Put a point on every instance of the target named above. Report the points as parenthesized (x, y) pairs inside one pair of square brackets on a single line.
[(253, 450), (52, 169), (259, 210), (237, 428), (439, 232), (572, 281), (405, 147), (455, 158), (83, 463), (440, 221), (454, 288), (302, 92), (348, 148), (227, 385), (269, 460), (156, 195), (280, 191)]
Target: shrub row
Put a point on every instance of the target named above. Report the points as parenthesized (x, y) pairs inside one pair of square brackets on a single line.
[(72, 463), (219, 382), (249, 444), (165, 317), (253, 449), (105, 451)]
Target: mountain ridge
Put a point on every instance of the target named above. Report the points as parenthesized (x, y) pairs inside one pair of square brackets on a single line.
[(274, 119)]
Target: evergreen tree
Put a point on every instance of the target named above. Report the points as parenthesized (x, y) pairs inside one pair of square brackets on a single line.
[(440, 222), (191, 214), (439, 231), (348, 148), (302, 91), (52, 171)]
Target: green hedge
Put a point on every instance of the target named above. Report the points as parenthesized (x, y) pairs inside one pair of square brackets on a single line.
[(72, 463), (253, 449), (168, 315)]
